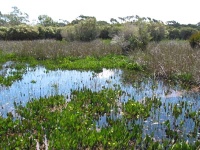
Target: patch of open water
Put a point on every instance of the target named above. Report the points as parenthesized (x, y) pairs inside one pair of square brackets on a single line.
[(39, 82)]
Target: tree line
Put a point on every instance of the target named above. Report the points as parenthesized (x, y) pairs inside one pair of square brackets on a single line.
[(133, 31)]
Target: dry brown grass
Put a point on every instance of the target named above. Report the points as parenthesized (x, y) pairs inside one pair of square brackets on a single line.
[(169, 58), (44, 49)]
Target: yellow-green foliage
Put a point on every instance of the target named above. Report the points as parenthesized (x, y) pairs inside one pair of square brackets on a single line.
[(174, 33), (49, 32), (3, 33), (108, 31), (68, 33), (22, 32), (157, 31), (86, 30), (133, 36), (26, 32), (195, 40)]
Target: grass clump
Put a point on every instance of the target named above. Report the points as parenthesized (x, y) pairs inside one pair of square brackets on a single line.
[(52, 49), (172, 60)]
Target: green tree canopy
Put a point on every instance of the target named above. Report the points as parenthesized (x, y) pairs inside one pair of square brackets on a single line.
[(46, 21), (16, 17)]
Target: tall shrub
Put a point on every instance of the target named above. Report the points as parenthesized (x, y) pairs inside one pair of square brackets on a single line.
[(195, 40), (22, 32), (186, 32), (68, 33), (174, 33), (157, 31), (132, 36), (104, 32), (3, 33), (86, 30), (49, 32), (108, 31)]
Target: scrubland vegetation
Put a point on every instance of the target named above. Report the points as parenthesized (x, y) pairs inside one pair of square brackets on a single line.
[(141, 46)]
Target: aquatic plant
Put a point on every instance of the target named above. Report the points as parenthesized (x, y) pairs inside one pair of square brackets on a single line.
[(57, 124)]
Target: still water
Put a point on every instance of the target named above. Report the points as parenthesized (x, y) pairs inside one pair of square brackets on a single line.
[(39, 82)]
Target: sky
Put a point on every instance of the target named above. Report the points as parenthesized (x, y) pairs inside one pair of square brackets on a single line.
[(182, 11)]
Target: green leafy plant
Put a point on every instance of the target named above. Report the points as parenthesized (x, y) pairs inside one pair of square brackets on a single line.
[(174, 33), (157, 31), (22, 32), (132, 36), (86, 30), (186, 32), (195, 40), (3, 33)]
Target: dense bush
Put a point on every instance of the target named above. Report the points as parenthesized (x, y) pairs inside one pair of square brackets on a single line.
[(68, 33), (49, 33), (108, 31), (104, 32), (26, 32), (144, 36), (132, 36), (186, 32), (57, 31), (22, 32), (157, 31), (195, 40), (3, 33), (174, 33), (114, 30), (86, 30)]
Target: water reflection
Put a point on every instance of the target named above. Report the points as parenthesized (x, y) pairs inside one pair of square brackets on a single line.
[(39, 82), (106, 73)]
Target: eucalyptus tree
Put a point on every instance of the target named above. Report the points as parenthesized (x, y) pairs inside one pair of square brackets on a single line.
[(2, 20), (46, 21), (86, 30), (122, 19), (173, 23), (83, 17), (16, 17), (114, 21), (157, 30)]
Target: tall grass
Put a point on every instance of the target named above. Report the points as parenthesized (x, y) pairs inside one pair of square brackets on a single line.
[(51, 49), (167, 59), (170, 59)]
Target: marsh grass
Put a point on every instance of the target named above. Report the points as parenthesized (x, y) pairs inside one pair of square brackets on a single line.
[(174, 60), (51, 49)]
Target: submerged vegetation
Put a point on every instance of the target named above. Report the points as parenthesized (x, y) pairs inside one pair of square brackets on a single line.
[(55, 123)]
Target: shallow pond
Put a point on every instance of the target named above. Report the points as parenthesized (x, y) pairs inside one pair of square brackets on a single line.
[(39, 82)]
